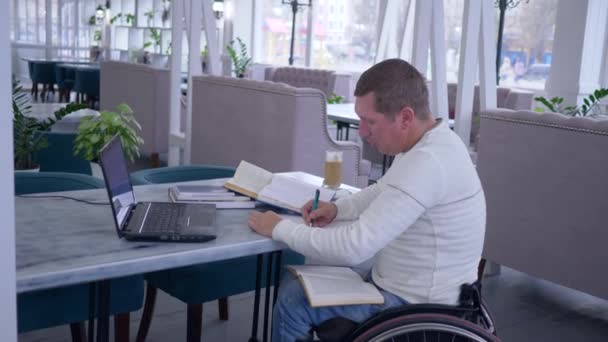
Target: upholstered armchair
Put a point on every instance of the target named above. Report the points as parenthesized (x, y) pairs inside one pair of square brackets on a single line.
[(327, 81), (275, 126), (544, 177), (146, 90)]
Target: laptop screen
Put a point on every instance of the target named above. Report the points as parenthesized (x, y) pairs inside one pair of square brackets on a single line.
[(119, 186)]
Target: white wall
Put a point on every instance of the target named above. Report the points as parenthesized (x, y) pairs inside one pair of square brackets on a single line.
[(8, 312)]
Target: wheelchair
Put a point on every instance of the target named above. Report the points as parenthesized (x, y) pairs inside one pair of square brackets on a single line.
[(469, 321)]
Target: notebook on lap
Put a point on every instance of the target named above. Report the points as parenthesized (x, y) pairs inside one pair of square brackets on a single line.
[(152, 221)]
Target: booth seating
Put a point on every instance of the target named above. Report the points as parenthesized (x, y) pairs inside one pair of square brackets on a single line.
[(146, 90), (544, 177), (275, 126)]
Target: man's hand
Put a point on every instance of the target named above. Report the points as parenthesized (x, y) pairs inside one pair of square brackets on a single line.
[(324, 214), (263, 223)]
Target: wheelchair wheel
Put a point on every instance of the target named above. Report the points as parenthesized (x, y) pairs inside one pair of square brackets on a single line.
[(425, 328)]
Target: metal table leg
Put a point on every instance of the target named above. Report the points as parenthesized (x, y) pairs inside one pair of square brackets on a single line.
[(256, 302), (267, 296), (103, 316)]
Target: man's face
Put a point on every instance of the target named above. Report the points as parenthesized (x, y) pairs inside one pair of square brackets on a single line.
[(383, 133)]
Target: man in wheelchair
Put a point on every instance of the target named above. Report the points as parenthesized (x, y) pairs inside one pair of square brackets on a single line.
[(424, 220)]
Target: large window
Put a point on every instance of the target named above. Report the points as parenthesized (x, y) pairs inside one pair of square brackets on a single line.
[(527, 44), (276, 38), (345, 34)]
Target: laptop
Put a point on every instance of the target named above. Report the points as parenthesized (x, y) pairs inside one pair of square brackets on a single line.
[(151, 221)]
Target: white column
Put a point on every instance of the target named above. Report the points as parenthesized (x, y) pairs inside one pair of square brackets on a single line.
[(578, 49), (439, 85), (212, 41), (310, 35), (256, 29), (48, 28), (487, 54), (467, 68), (422, 34), (8, 320), (383, 24), (176, 137), (194, 66)]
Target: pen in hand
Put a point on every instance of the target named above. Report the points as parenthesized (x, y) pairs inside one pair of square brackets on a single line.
[(315, 204)]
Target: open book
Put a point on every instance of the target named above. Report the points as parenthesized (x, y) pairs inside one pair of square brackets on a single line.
[(278, 190), (331, 285)]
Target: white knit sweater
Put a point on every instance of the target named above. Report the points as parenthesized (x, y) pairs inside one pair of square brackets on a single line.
[(424, 220)]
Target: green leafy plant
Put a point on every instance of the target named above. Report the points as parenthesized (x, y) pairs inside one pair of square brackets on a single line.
[(240, 60), (589, 107), (92, 20), (149, 15), (335, 99), (26, 140), (97, 36), (116, 17), (130, 18), (94, 132), (155, 36)]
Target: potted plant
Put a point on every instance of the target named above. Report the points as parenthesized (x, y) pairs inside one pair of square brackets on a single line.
[(94, 133), (27, 139), (590, 106), (240, 60)]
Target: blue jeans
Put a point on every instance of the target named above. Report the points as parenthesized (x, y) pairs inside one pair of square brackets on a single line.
[(293, 318)]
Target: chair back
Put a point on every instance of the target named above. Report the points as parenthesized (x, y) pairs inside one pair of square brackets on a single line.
[(146, 90), (324, 80), (174, 174), (44, 72), (58, 156), (87, 81), (40, 182), (544, 178), (275, 126)]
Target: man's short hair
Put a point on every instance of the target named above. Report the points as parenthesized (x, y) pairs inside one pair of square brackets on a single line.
[(395, 84)]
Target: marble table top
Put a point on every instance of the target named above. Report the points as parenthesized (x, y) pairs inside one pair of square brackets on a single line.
[(63, 242)]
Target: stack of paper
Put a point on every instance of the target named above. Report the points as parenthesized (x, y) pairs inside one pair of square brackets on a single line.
[(218, 195)]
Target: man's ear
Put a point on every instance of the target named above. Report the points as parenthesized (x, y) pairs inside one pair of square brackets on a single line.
[(405, 116)]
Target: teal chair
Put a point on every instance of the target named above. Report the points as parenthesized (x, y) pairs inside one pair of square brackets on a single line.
[(58, 156), (195, 285), (70, 304)]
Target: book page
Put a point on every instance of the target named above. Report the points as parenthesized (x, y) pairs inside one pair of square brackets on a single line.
[(292, 193), (250, 177)]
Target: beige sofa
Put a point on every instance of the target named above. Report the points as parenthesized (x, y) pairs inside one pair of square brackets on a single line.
[(546, 184), (146, 90), (275, 126)]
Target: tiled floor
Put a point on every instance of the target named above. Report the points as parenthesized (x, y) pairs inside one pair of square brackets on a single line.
[(525, 309)]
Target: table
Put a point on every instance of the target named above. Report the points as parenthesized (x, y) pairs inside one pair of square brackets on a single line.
[(346, 118), (52, 251)]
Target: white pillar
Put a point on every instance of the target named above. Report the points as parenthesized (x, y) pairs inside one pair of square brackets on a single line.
[(467, 69), (422, 34), (578, 49), (176, 138), (194, 64), (439, 85), (8, 320), (211, 37)]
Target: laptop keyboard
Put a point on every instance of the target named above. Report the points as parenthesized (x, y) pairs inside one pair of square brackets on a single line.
[(164, 217)]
